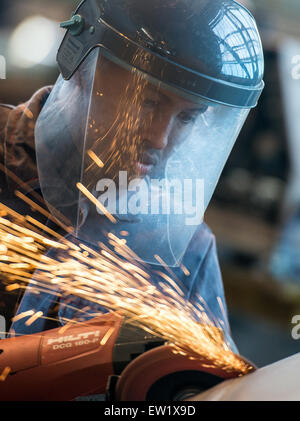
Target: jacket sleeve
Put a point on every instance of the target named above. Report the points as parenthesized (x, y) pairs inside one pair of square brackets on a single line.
[(4, 114)]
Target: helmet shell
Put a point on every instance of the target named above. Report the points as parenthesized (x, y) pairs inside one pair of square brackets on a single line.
[(210, 49)]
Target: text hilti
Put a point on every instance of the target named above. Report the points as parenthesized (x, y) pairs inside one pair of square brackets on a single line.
[(72, 338)]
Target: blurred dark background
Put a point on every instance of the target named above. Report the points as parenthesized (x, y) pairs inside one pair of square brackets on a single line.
[(255, 212)]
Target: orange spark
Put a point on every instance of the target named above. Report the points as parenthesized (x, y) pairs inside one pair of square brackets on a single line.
[(95, 158), (107, 336), (96, 202), (33, 318), (22, 315), (4, 374)]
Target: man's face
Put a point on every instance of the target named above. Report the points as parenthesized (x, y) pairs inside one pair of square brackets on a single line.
[(136, 125)]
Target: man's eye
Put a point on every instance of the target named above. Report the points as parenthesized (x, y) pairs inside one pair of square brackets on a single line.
[(186, 118)]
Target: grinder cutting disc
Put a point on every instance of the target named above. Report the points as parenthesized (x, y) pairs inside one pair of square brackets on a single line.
[(162, 375)]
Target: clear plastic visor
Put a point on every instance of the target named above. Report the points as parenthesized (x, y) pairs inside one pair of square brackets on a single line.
[(120, 152)]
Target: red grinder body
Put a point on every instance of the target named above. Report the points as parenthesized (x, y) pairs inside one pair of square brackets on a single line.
[(103, 356)]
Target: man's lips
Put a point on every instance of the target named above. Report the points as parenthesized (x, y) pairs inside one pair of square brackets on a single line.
[(148, 161), (143, 168)]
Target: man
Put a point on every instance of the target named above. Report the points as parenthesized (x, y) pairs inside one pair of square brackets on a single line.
[(149, 103)]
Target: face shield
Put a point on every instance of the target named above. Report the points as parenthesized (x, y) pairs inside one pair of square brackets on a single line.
[(118, 151)]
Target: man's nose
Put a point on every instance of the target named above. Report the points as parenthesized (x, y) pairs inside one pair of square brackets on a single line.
[(159, 131)]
